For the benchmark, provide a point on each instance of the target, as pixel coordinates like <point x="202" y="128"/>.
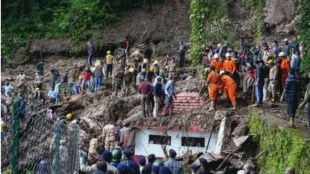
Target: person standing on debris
<point x="306" y="101"/>
<point x="65" y="81"/>
<point x="20" y="77"/>
<point x="174" y="166"/>
<point x="22" y="106"/>
<point x="98" y="76"/>
<point x="285" y="68"/>
<point x="8" y="88"/>
<point x="90" y="52"/>
<point x="158" y="95"/>
<point x="216" y="63"/>
<point x="40" y="67"/>
<point x="259" y="82"/>
<point x="170" y="93"/>
<point x="148" y="53"/>
<point x="55" y="77"/>
<point x="86" y="79"/>
<point x="38" y="80"/>
<point x="145" y="89"/>
<point x="182" y="56"/>
<point x="109" y="61"/>
<point x="126" y="44"/>
<point x="118" y="81"/>
<point x="229" y="87"/>
<point x="213" y="81"/>
<point x="229" y="65"/>
<point x="129" y="163"/>
<point x="292" y="91"/>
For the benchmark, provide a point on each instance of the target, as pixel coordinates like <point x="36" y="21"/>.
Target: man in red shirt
<point x="145" y="89"/>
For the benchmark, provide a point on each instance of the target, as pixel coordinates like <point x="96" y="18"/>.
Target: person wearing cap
<point x="259" y="82"/>
<point x="170" y="93"/>
<point x="273" y="79"/>
<point x="292" y="92"/>
<point x="158" y="94"/>
<point x="229" y="65"/>
<point x="229" y="87"/>
<point x="109" y="61"/>
<point x="145" y="89"/>
<point x="130" y="164"/>
<point x="213" y="83"/>
<point x="174" y="166"/>
<point x="203" y="166"/>
<point x="285" y="68"/>
<point x="216" y="63"/>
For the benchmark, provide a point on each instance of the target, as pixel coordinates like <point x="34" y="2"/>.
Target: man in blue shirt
<point x="169" y="91"/>
<point x="128" y="163"/>
<point x="174" y="166"/>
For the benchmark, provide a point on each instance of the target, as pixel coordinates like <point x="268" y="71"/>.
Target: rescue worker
<point x="273" y="79"/>
<point x="90" y="52"/>
<point x="116" y="156"/>
<point x="259" y="83"/>
<point x="213" y="82"/>
<point x="145" y="89"/>
<point x="109" y="61"/>
<point x="170" y="94"/>
<point x="216" y="63"/>
<point x="128" y="79"/>
<point x="229" y="65"/>
<point x="285" y="68"/>
<point x="306" y="101"/>
<point x="292" y="91"/>
<point x="172" y="164"/>
<point x="229" y="87"/>
<point x="128" y="162"/>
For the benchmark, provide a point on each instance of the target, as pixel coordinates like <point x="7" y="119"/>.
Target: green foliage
<point x="284" y="147"/>
<point x="304" y="12"/>
<point x="76" y="19"/>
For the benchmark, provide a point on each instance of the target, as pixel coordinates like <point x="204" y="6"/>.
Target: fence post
<point x="57" y="148"/>
<point x="15" y="133"/>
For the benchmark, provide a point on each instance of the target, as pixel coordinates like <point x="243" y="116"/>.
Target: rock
<point x="219" y="115"/>
<point x="240" y="130"/>
<point x="240" y="140"/>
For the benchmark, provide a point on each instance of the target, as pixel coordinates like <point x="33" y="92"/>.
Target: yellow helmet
<point x="145" y="61"/>
<point x="152" y="69"/>
<point x="143" y="70"/>
<point x="270" y="62"/>
<point x="108" y="52"/>
<point x="69" y="116"/>
<point x="131" y="70"/>
<point x="156" y="62"/>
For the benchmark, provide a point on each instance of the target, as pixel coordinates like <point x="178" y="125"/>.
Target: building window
<point x="159" y="139"/>
<point x="193" y="141"/>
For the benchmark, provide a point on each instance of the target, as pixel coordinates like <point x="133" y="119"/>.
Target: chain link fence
<point x="38" y="144"/>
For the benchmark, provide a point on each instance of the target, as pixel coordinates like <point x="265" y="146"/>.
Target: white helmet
<point x="222" y="72"/>
<point x="227" y="55"/>
<point x="215" y="56"/>
<point x="282" y="54"/>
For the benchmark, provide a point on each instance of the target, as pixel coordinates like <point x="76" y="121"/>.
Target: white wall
<point x="142" y="146"/>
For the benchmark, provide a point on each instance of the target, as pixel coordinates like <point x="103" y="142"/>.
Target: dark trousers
<point x="291" y="99"/>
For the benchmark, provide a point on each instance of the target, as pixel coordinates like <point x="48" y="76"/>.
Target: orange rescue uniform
<point x="285" y="68"/>
<point x="213" y="81"/>
<point x="230" y="88"/>
<point x="217" y="64"/>
<point x="229" y="66"/>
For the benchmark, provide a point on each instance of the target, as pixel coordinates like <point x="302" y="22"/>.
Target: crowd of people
<point x="271" y="73"/>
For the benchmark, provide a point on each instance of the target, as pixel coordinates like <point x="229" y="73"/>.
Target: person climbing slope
<point x="229" y="87"/>
<point x="213" y="81"/>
